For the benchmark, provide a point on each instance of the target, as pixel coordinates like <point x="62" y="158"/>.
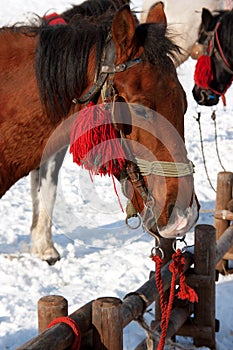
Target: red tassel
<point x="203" y="74"/>
<point x="95" y="143"/>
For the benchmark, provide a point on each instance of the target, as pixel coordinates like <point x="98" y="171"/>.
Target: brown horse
<point x="137" y="65"/>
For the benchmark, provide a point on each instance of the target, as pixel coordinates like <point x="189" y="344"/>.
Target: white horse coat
<point x="184" y="19"/>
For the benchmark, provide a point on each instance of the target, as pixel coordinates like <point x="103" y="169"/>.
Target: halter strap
<point x="106" y="68"/>
<point x="97" y="86"/>
<point x="220" y="55"/>
<point x="161" y="168"/>
<point x="121" y="67"/>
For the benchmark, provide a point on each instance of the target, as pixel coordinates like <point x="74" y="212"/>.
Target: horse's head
<point x="161" y="184"/>
<point x="205" y="33"/>
<point x="128" y="65"/>
<point x="214" y="70"/>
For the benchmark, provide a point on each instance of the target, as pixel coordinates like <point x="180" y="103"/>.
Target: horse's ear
<point x="156" y="14"/>
<point x="206" y="17"/>
<point x="123" y="29"/>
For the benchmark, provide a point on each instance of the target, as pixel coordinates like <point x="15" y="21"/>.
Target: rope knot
<point x="177" y="267"/>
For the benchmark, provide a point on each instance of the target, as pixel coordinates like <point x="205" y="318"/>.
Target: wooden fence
<point x="102" y="321"/>
<point x="201" y="325"/>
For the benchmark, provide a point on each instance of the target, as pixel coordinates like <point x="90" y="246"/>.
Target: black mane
<point x="225" y="33"/>
<point x="92" y="8"/>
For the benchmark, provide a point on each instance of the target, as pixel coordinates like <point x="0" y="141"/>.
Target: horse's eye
<point x="141" y="111"/>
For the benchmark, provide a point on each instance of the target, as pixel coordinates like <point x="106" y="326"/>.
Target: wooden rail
<point x="201" y="326"/>
<point x="60" y="336"/>
<point x="95" y="317"/>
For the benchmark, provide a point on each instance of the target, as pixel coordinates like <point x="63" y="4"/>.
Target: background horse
<point x="206" y="30"/>
<point x="68" y="57"/>
<point x="217" y="63"/>
<point x="184" y="19"/>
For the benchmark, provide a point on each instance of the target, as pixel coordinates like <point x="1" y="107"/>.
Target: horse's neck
<point x="17" y="52"/>
<point x="13" y="41"/>
<point x="24" y="127"/>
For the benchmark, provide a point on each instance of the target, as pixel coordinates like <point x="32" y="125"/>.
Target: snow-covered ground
<point x="100" y="256"/>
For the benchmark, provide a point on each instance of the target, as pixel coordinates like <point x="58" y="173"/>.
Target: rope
<point x="177" y="269"/>
<point x="202" y="149"/>
<point x="161" y="168"/>
<point x="213" y="117"/>
<point x="75" y="328"/>
<point x="154" y="335"/>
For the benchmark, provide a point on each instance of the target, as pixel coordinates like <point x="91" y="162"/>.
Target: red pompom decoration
<point x="95" y="143"/>
<point x="54" y="19"/>
<point x="203" y="74"/>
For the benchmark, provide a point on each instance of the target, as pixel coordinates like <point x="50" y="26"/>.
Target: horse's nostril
<point x="170" y="210"/>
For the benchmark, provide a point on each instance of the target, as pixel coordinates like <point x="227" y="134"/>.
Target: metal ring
<point x="154" y="253"/>
<point x="136" y="226"/>
<point x="181" y="239"/>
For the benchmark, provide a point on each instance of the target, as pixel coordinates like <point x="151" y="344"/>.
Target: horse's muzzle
<point x="205" y="97"/>
<point x="180" y="222"/>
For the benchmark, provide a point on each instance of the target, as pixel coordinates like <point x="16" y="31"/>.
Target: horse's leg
<point x="43" y="192"/>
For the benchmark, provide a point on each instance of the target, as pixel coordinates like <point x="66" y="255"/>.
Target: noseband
<point x="135" y="168"/>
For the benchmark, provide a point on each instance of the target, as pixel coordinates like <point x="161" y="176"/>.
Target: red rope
<point x="75" y="328"/>
<point x="186" y="292"/>
<point x="177" y="268"/>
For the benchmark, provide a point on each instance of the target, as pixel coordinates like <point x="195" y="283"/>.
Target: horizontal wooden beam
<point x="223" y="215"/>
<point x="224" y="243"/>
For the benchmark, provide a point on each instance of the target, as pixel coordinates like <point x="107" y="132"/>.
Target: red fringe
<point x="203" y="74"/>
<point x="95" y="143"/>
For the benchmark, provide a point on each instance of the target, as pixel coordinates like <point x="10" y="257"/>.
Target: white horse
<point x="184" y="19"/>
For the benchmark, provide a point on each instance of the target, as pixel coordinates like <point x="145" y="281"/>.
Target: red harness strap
<point x="75" y="328"/>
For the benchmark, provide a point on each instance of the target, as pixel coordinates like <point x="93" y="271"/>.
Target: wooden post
<point x="49" y="308"/>
<point x="61" y="336"/>
<point x="204" y="264"/>
<point x="167" y="247"/>
<point x="223" y="243"/>
<point x="107" y="324"/>
<point x="223" y="197"/>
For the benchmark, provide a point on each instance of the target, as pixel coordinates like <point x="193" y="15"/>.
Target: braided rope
<point x="161" y="168"/>
<point x="177" y="269"/>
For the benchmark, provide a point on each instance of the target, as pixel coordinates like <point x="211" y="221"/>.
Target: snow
<point x="100" y="256"/>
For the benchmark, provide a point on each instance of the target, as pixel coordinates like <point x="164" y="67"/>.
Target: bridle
<point x="219" y="53"/>
<point x="214" y="49"/>
<point x="135" y="168"/>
